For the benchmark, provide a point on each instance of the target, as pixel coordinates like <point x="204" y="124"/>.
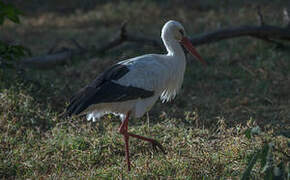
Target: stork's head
<point x="174" y="31"/>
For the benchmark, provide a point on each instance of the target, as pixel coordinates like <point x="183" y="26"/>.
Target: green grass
<point x="203" y="129"/>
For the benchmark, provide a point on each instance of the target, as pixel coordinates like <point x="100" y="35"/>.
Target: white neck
<point x="173" y="47"/>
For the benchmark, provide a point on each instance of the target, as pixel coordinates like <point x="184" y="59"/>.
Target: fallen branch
<point x="271" y="32"/>
<point x="265" y="32"/>
<point x="60" y="58"/>
<point x="47" y="61"/>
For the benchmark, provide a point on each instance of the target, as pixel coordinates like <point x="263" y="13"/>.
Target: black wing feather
<point x="104" y="90"/>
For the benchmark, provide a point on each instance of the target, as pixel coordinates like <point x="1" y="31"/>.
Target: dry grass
<point x="247" y="84"/>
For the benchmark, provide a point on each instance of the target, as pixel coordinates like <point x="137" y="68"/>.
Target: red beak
<point x="187" y="44"/>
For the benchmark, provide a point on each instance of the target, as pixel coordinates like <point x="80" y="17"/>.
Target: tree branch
<point x="272" y="32"/>
<point x="60" y="58"/>
<point x="47" y="61"/>
<point x="265" y="32"/>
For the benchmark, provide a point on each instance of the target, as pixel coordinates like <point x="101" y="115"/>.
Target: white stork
<point x="131" y="87"/>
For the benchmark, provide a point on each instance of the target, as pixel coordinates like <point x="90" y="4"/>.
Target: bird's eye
<point x="181" y="32"/>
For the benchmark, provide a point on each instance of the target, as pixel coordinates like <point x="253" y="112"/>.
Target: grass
<point x="203" y="129"/>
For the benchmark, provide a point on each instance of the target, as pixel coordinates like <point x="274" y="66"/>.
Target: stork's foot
<point x="157" y="146"/>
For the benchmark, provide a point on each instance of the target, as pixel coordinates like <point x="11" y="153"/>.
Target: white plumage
<point x="162" y="74"/>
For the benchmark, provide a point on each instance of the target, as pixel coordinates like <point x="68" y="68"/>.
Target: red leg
<point x="124" y="130"/>
<point x="126" y="138"/>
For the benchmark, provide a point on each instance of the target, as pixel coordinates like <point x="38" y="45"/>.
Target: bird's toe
<point x="158" y="147"/>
